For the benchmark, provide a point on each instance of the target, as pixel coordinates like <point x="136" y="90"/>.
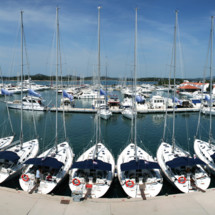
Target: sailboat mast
<point x="57" y="36"/>
<point x="134" y="118"/>
<point x="175" y="35"/>
<point x="106" y="85"/>
<point x="98" y="120"/>
<point x="211" y="83"/>
<point x="99" y="73"/>
<point x="21" y="129"/>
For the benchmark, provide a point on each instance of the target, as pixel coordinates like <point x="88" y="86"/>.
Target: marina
<point x="80" y="142"/>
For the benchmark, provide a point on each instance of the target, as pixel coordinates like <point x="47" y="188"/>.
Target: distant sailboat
<point x="138" y="173"/>
<point x="55" y="161"/>
<point x="105" y="112"/>
<point x="31" y="101"/>
<point x="183" y="171"/>
<point x="129" y="112"/>
<point x="14" y="155"/>
<point x="93" y="172"/>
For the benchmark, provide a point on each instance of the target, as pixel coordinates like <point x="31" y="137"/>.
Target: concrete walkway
<point x="18" y="202"/>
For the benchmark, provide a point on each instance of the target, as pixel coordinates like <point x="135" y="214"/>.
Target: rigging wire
<point x="28" y="72"/>
<point x="61" y="74"/>
<point x="181" y="61"/>
<point x="8" y="112"/>
<point x="204" y="80"/>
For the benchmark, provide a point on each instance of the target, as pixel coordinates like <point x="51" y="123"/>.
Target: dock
<point x="169" y="110"/>
<point x="19" y="202"/>
<point x="74" y="110"/>
<point x="119" y="110"/>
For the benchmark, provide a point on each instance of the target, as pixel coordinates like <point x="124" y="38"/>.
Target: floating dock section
<point x="118" y="111"/>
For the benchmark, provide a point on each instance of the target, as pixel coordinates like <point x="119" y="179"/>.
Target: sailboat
<point x="5" y="141"/>
<point x="32" y="101"/>
<point x="93" y="172"/>
<point x="128" y="103"/>
<point x="205" y="150"/>
<point x="15" y="154"/>
<point x="105" y="112"/>
<point x="54" y="162"/>
<point x="129" y="113"/>
<point x="138" y="173"/>
<point x="179" y="167"/>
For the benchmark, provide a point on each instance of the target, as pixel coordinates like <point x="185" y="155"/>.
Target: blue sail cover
<point x="140" y="164"/>
<point x="184" y="161"/>
<point x="139" y="99"/>
<point x="102" y="92"/>
<point x="48" y="162"/>
<point x="67" y="95"/>
<point x="8" y="155"/>
<point x="92" y="164"/>
<point x="196" y="101"/>
<point x="176" y="100"/>
<point x="33" y="93"/>
<point x="208" y="98"/>
<point x="5" y="92"/>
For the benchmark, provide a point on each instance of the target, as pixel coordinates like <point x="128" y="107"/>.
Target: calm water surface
<point x="115" y="132"/>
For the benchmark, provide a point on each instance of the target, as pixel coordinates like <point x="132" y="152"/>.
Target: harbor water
<point x="80" y="132"/>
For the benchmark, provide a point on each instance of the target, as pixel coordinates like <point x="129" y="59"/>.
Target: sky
<point x="78" y="21"/>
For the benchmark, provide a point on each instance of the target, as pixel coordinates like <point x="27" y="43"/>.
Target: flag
<point x="67" y="95"/>
<point x="33" y="93"/>
<point x="5" y="92"/>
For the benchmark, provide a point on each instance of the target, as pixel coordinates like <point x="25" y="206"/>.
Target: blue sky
<point x="78" y="29"/>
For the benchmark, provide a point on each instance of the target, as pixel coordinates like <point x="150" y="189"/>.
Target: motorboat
<point x="28" y="103"/>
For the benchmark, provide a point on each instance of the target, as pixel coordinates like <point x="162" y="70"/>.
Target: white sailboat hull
<point x="29" y="150"/>
<point x="165" y="154"/>
<point x="5" y="141"/>
<point x="206" y="111"/>
<point x="105" y="114"/>
<point x="204" y="151"/>
<point x="100" y="185"/>
<point x="151" y="179"/>
<point x="128" y="113"/>
<point x="64" y="154"/>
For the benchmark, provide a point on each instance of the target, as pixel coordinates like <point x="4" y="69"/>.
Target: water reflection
<point x="158" y="118"/>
